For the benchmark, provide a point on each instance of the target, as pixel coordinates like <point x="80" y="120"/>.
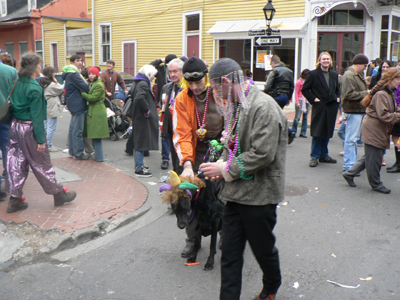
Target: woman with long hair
<point x="27" y="146"/>
<point x="52" y="91"/>
<point x="381" y="114"/>
<point x="383" y="67"/>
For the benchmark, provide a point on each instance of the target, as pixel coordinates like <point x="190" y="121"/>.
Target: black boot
<point x="188" y="249"/>
<point x="16" y="204"/>
<point x="396" y="167"/>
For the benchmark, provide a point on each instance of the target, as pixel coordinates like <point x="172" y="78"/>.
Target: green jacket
<point x="8" y="75"/>
<point x="29" y="103"/>
<point x="96" y="124"/>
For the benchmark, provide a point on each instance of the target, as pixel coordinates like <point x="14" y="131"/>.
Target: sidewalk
<point x="103" y="192"/>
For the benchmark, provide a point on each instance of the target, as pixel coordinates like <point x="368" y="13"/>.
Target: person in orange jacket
<point x="196" y="120"/>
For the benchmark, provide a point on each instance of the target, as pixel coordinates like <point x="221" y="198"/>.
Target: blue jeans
<point x="4" y="130"/>
<point x="139" y="155"/>
<point x="75" y="135"/>
<point x="352" y="135"/>
<point x="165" y="147"/>
<point x="282" y="100"/>
<point x="304" y="121"/>
<point x="51" y="125"/>
<point x="342" y="130"/>
<point x="98" y="150"/>
<point x="319" y="147"/>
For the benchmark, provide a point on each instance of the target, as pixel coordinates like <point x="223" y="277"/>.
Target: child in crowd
<point x="96" y="126"/>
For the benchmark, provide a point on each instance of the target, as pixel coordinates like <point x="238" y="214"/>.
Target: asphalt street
<point x="326" y="230"/>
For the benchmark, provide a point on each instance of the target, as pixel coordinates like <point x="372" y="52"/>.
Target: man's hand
<point x="126" y="92"/>
<point x="41" y="147"/>
<point x="317" y="100"/>
<point x="188" y="172"/>
<point x="108" y="94"/>
<point x="211" y="170"/>
<point x="338" y="100"/>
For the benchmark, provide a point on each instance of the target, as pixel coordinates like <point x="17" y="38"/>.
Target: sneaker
<point x="66" y="150"/>
<point x="383" y="190"/>
<point x="349" y="180"/>
<point x="341" y="153"/>
<point x="313" y="162"/>
<point x="16" y="204"/>
<point x="165" y="165"/>
<point x="328" y="160"/>
<point x="303" y="136"/>
<point x="63" y="197"/>
<point x="83" y="157"/>
<point x="52" y="149"/>
<point x="143" y="172"/>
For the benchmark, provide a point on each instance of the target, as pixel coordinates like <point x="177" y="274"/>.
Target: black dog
<point x="207" y="208"/>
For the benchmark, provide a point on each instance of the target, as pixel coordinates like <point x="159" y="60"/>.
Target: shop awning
<point x="289" y="27"/>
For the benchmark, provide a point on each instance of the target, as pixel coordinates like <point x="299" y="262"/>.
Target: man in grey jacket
<point x="252" y="177"/>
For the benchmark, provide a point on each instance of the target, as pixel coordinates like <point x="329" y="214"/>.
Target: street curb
<point x="101" y="227"/>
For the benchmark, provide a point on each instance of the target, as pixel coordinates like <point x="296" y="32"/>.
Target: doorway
<point x="342" y="46"/>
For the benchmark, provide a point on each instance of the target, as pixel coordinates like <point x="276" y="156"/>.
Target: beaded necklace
<point x="235" y="138"/>
<point x="201" y="132"/>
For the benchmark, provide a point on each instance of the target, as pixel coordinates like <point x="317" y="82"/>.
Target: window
<point x="105" y="43"/>
<point x="39" y="48"/>
<point x="342" y="17"/>
<point x="390" y="43"/>
<point x="31" y="5"/>
<point x="3" y="8"/>
<point x="191" y="33"/>
<point x="23" y="48"/>
<point x="10" y="49"/>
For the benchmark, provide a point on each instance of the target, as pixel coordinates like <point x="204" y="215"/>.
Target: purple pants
<point x="22" y="154"/>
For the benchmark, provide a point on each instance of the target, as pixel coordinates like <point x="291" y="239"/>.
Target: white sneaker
<point x="52" y="149"/>
<point x="66" y="150"/>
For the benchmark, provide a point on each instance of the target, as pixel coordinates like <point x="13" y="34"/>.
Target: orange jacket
<point x="184" y="124"/>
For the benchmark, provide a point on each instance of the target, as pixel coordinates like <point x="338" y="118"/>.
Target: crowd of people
<point x="190" y="105"/>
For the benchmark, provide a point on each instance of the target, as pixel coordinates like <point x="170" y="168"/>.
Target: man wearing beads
<point x="252" y="174"/>
<point x="195" y="121"/>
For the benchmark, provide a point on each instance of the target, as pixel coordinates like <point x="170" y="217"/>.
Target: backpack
<point x="127" y="110"/>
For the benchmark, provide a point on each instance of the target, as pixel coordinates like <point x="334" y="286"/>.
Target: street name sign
<point x="257" y="32"/>
<point x="268" y="41"/>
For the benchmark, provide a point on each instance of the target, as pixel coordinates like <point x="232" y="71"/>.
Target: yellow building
<point x="63" y="37"/>
<point x="134" y="33"/>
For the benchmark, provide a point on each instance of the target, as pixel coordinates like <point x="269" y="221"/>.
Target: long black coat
<point x="145" y="130"/>
<point x="323" y="118"/>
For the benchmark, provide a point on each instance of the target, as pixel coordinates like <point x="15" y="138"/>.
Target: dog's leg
<point x="213" y="246"/>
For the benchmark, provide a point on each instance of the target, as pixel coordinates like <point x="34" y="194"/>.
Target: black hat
<point x="170" y="57"/>
<point x="194" y="69"/>
<point x="360" y="59"/>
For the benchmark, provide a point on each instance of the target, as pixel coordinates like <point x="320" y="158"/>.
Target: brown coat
<point x="353" y="90"/>
<point x="380" y="116"/>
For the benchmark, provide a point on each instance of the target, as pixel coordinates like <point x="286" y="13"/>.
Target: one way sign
<point x="267" y="41"/>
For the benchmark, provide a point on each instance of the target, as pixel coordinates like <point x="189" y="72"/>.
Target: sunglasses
<point x="194" y="75"/>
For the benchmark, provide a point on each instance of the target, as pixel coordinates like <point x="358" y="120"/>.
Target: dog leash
<point x="194" y="209"/>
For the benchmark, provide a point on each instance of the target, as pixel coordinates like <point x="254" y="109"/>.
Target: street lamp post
<point x="269" y="12"/>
